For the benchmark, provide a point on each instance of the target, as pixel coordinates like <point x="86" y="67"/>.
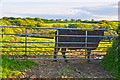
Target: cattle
<point x="77" y="40"/>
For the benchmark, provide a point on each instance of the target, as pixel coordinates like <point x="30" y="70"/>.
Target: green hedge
<point x="111" y="61"/>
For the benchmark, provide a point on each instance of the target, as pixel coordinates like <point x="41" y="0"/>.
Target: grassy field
<point x="9" y="65"/>
<point x="12" y="67"/>
<point x="50" y="24"/>
<point x="33" y="39"/>
<point x="29" y="39"/>
<point x="66" y="24"/>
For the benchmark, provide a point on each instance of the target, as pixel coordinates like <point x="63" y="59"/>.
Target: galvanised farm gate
<point x="48" y="43"/>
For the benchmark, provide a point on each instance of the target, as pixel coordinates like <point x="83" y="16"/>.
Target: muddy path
<point x="61" y="69"/>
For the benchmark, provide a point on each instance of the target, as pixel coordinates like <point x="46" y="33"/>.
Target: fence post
<point x="25" y="43"/>
<point x="57" y="44"/>
<point x="85" y="44"/>
<point x="114" y="38"/>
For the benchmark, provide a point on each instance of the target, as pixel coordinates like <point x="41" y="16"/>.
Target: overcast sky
<point x="59" y="0"/>
<point x="63" y="9"/>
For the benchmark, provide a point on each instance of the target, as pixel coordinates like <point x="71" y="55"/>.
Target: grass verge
<point x="12" y="67"/>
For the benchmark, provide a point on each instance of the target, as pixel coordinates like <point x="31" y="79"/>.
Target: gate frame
<point x="25" y="55"/>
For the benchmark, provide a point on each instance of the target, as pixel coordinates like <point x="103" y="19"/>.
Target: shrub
<point x="111" y="60"/>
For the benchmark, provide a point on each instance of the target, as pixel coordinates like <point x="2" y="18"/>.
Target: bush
<point x="111" y="60"/>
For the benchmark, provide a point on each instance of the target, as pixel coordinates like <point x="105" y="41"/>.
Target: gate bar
<point x="25" y="43"/>
<point x="56" y="42"/>
<point x="55" y="28"/>
<point x="85" y="44"/>
<point x="57" y="55"/>
<point x="53" y="51"/>
<point x="56" y="59"/>
<point x="56" y="35"/>
<point x="47" y="47"/>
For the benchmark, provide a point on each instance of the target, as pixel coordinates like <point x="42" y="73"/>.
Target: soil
<point x="62" y="69"/>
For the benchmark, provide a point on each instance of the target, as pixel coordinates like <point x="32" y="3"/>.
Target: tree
<point x="12" y="18"/>
<point x="72" y="20"/>
<point x="30" y="18"/>
<point x="39" y="20"/>
<point x="106" y="21"/>
<point x="18" y="18"/>
<point x="92" y="20"/>
<point x="66" y="20"/>
<point x="57" y="20"/>
<point x="79" y="20"/>
<point x="85" y="20"/>
<point x="52" y="20"/>
<point x="5" y="18"/>
<point x="45" y="20"/>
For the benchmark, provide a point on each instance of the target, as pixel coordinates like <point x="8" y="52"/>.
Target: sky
<point x="61" y="9"/>
<point x="59" y="0"/>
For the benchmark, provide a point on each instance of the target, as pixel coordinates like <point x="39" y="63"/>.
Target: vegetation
<point x="8" y="66"/>
<point x="65" y="73"/>
<point x="38" y="22"/>
<point x="12" y="67"/>
<point x="69" y="72"/>
<point x="111" y="60"/>
<point x="29" y="39"/>
<point x="32" y="39"/>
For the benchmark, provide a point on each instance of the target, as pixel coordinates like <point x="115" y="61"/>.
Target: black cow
<point x="77" y="39"/>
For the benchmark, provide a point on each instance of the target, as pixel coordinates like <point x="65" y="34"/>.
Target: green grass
<point x="33" y="39"/>
<point x="29" y="39"/>
<point x="108" y="44"/>
<point x="12" y="67"/>
<point x="50" y="24"/>
<point x="68" y="73"/>
<point x="110" y="61"/>
<point x="66" y="24"/>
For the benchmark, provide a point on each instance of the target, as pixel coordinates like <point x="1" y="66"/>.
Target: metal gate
<point x="27" y="44"/>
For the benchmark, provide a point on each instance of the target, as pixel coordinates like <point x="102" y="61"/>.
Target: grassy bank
<point x="12" y="67"/>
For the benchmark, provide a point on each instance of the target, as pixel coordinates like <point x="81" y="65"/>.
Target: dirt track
<point x="77" y="69"/>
